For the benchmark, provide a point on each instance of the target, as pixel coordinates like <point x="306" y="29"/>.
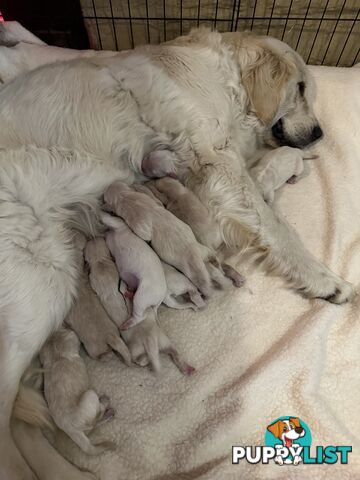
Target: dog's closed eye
<point x="301" y="88"/>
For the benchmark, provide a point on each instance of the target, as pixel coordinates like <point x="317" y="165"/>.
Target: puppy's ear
<point x="295" y="421"/>
<point x="264" y="80"/>
<point x="276" y="428"/>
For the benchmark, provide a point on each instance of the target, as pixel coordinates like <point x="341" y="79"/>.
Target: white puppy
<point x="277" y="167"/>
<point x="139" y="267"/>
<point x="146" y="340"/>
<point x="74" y="406"/>
<point x="171" y="238"/>
<point x="180" y="286"/>
<point x="91" y="323"/>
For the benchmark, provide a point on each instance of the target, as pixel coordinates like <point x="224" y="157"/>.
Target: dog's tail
<point x="31" y="407"/>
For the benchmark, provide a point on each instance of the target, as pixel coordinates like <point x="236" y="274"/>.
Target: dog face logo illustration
<point x="287" y="430"/>
<point x="288" y="435"/>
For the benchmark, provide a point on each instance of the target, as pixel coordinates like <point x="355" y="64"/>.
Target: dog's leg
<point x="236" y="277"/>
<point x="245" y="217"/>
<point x="45" y="461"/>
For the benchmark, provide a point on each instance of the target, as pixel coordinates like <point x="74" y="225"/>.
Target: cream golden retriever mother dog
<point x="212" y="99"/>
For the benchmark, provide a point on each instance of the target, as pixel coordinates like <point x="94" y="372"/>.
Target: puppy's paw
<point x="292" y="180"/>
<point x="141" y="360"/>
<point x="109" y="414"/>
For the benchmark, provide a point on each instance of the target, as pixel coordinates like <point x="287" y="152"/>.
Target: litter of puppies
<point x="158" y="249"/>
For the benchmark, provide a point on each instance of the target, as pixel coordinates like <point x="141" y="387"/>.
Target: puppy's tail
<point x="118" y="344"/>
<point x="31" y="407"/>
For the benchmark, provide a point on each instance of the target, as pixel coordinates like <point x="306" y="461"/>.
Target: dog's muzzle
<point x="301" y="142"/>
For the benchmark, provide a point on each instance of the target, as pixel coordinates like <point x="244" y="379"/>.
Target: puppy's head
<point x="279" y="88"/>
<point x="114" y="191"/>
<point x="169" y="187"/>
<point x="96" y="250"/>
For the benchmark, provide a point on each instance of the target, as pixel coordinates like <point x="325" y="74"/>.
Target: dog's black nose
<point x="299" y="430"/>
<point x="316" y="133"/>
<point x="278" y="130"/>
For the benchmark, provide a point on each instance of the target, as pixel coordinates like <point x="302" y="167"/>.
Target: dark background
<point x="56" y="22"/>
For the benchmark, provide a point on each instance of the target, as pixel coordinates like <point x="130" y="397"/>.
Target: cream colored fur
<point x="194" y="95"/>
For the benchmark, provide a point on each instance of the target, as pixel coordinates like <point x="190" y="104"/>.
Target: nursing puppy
<point x="94" y="328"/>
<point x="139" y="267"/>
<point x="277" y="167"/>
<point x="171" y="239"/>
<point x="104" y="280"/>
<point x="89" y="319"/>
<point x="146" y="341"/>
<point x="178" y="288"/>
<point x="74" y="406"/>
<point x="186" y="206"/>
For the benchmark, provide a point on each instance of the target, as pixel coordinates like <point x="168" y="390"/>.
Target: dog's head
<point x="279" y="88"/>
<point x="287" y="430"/>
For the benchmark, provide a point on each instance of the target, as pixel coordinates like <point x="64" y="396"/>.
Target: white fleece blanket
<point x="262" y="351"/>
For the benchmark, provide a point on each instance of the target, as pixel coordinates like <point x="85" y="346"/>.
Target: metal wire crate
<point x="324" y="32"/>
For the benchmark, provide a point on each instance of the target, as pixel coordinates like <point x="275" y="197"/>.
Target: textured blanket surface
<point x="262" y="351"/>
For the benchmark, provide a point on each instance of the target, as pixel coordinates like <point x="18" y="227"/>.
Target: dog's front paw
<point x="297" y="460"/>
<point x="279" y="460"/>
<point x="326" y="285"/>
<point x="344" y="292"/>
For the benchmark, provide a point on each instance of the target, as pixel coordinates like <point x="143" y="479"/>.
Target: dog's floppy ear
<point x="295" y="421"/>
<point x="276" y="428"/>
<point x="264" y="80"/>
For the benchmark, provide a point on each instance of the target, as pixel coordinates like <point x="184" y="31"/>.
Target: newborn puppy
<point x="147" y="340"/>
<point x="184" y="204"/>
<point x="171" y="238"/>
<point x="277" y="167"/>
<point x="180" y="286"/>
<point x="139" y="267"/>
<point x="140" y="187"/>
<point x="90" y="321"/>
<point x="159" y="163"/>
<point x="104" y="280"/>
<point x="74" y="406"/>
